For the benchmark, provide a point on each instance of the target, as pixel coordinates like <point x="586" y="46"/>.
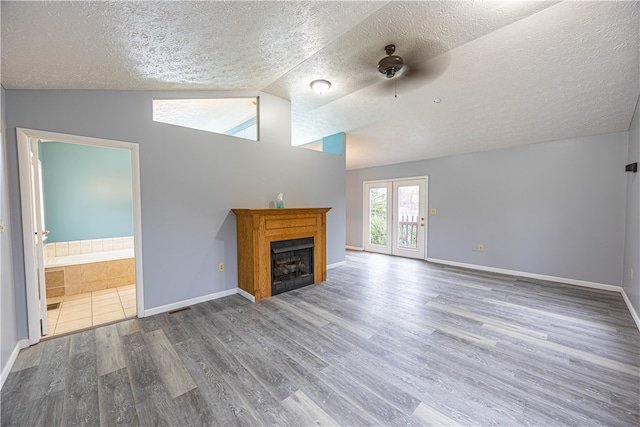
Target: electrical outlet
<point x="221" y="267"/>
<point x="480" y="248"/>
<point x="434" y="211"/>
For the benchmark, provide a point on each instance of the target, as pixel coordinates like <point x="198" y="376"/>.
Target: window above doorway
<point x="236" y="117"/>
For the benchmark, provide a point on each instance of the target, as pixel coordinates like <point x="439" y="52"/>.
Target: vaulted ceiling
<point x="507" y="73"/>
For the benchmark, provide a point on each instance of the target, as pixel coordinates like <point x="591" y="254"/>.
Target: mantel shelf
<point x="257" y="228"/>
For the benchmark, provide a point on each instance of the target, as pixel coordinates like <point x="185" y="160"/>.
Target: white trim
<point x="23" y="136"/>
<point x="188" y="302"/>
<point x="582" y="283"/>
<point x="336" y="264"/>
<point x="31" y="280"/>
<point x="246" y="294"/>
<point x="632" y="310"/>
<point x="12" y="359"/>
<point x="354" y="248"/>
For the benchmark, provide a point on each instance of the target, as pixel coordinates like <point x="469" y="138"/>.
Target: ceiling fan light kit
<point x="320" y="86"/>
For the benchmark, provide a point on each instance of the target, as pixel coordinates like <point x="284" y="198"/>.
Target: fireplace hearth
<point x="291" y="264"/>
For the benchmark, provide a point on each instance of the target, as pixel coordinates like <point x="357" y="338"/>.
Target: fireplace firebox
<point x="291" y="264"/>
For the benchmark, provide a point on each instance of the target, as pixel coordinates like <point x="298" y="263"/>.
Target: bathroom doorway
<point x="84" y="235"/>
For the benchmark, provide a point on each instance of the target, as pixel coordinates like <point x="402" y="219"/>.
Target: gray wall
<point x="190" y="180"/>
<point x="8" y="331"/>
<point x="632" y="235"/>
<point x="553" y="208"/>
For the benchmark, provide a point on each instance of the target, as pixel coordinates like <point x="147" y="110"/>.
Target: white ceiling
<point x="508" y="73"/>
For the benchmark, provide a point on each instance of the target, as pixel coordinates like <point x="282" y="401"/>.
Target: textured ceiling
<point x="508" y="73"/>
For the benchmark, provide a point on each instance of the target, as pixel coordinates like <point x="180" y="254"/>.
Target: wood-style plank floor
<point x="384" y="341"/>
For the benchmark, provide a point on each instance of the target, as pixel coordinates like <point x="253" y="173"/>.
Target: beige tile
<point x="75" y="248"/>
<point x="54" y="277"/>
<point x="126" y="288"/>
<point x="129" y="304"/>
<point x="128" y="297"/>
<point x="50" y="250"/>
<point x="54" y="300"/>
<point x="77" y="296"/>
<point x="109" y="291"/>
<point x="127" y="294"/>
<point x="79" y="302"/>
<point x="104" y="309"/>
<point x="108" y="317"/>
<point x="72" y="316"/>
<point x="98" y="304"/>
<point x="62" y="249"/>
<point x="107" y="244"/>
<point x="73" y="275"/>
<point x="130" y="312"/>
<point x="96" y="245"/>
<point x="76" y="305"/>
<point x="63" y="327"/>
<point x="52" y="316"/>
<point x="76" y="312"/>
<point x="55" y="292"/>
<point x="93" y="272"/>
<point x="85" y="246"/>
<point x="106" y="301"/>
<point x="118" y="243"/>
<point x="127" y="242"/>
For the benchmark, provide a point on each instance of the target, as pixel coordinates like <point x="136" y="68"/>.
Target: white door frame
<point x="24" y="163"/>
<point x="392" y="235"/>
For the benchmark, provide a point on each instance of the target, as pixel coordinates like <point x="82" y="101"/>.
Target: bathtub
<point x="88" y="272"/>
<point x="63" y="261"/>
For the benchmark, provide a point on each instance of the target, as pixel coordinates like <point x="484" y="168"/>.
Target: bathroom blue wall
<point x="87" y="192"/>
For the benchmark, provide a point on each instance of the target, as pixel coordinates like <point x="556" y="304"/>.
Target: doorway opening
<point x="81" y="230"/>
<point x="395" y="220"/>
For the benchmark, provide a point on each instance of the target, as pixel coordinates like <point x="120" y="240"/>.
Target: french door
<point x="395" y="217"/>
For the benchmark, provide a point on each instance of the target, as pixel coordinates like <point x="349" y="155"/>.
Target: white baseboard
<point x="336" y="264"/>
<point x="583" y="283"/>
<point x="354" y="248"/>
<point x="12" y="359"/>
<point x="632" y="310"/>
<point x="246" y="294"/>
<point x="192" y="301"/>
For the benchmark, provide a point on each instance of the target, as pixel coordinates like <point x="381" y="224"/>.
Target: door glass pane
<point x="378" y="216"/>
<point x="408" y="216"/>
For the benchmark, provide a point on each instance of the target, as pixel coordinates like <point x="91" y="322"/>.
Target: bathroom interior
<point x="89" y="257"/>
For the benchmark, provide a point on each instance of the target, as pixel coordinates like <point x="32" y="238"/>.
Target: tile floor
<point x="90" y="309"/>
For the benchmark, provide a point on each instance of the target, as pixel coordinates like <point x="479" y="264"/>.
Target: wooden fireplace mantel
<point x="257" y="228"/>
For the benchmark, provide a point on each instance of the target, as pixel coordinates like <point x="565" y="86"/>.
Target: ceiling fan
<point x="415" y="71"/>
<point x="390" y="64"/>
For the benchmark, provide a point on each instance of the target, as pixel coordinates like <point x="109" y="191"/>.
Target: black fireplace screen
<point x="291" y="264"/>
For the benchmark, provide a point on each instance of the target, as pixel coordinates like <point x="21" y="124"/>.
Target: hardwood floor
<point x="384" y="341"/>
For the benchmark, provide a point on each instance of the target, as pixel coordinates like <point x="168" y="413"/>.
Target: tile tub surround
<point x="77" y="247"/>
<point x="96" y="276"/>
<point x="74" y="274"/>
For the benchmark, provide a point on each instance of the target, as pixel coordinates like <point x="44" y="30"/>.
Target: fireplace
<point x="256" y="229"/>
<point x="291" y="264"/>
